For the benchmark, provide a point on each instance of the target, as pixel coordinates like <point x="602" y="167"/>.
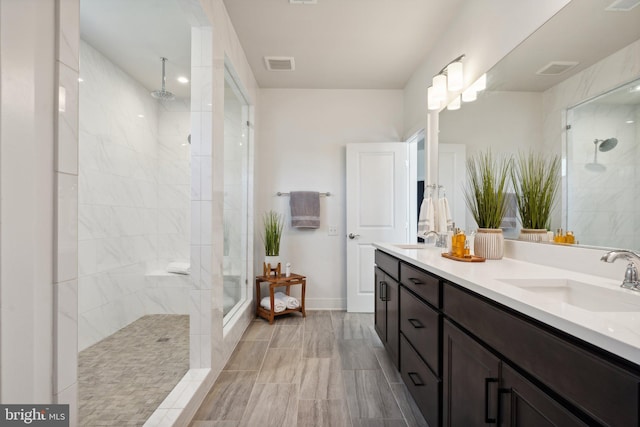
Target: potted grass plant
<point x="272" y="233"/>
<point x="536" y="179"/>
<point x="486" y="197"/>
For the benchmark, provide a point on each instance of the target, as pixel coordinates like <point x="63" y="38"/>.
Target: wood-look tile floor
<point x="328" y="369"/>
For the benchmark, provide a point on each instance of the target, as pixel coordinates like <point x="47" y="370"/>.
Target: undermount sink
<point x="579" y="294"/>
<point x="413" y="246"/>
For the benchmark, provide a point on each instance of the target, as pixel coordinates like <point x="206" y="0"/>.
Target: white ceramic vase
<point x="534" y="235"/>
<point x="272" y="260"/>
<point x="489" y="243"/>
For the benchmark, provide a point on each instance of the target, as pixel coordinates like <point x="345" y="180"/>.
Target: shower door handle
<point x="353" y="236"/>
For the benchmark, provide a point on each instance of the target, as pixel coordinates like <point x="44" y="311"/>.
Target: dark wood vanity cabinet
<point x="480" y="388"/>
<point x="387" y="305"/>
<point x="468" y="360"/>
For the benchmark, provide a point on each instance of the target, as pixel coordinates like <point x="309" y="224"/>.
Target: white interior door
<point x="377" y="211"/>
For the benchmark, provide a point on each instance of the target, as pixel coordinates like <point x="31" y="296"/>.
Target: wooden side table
<point x="278" y="282"/>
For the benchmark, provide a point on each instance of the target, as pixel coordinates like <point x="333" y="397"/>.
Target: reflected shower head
<point x="163" y="94"/>
<point x="607" y="144"/>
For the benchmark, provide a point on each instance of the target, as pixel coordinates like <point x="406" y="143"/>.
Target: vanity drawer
<point x="422" y="283"/>
<point x="421" y="325"/>
<point x="582" y="375"/>
<point x="422" y="384"/>
<point x="388" y="264"/>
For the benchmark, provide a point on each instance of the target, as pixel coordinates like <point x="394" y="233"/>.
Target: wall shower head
<point x="163" y="94"/>
<point x="607" y="144"/>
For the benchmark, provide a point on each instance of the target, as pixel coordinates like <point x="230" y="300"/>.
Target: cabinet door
<point x="380" y="316"/>
<point x="470" y="381"/>
<point x="525" y="405"/>
<point x="393" y="320"/>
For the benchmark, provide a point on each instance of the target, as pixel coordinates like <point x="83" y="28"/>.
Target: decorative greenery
<point x="536" y="179"/>
<point x="273" y="224"/>
<point x="486" y="191"/>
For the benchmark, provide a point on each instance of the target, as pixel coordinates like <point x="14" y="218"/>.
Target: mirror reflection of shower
<point x="602" y="145"/>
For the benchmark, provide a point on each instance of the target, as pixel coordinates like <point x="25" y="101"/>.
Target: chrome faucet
<point x="441" y="239"/>
<point x="631" y="274"/>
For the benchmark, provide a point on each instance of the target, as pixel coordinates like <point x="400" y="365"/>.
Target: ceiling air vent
<point x="303" y="1"/>
<point x="622" y="5"/>
<point x="556" y="68"/>
<point x="279" y="63"/>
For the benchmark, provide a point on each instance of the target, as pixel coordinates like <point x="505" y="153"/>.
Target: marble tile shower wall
<point x="601" y="202"/>
<point x="129" y="195"/>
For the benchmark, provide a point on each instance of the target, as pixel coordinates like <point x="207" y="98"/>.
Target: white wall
<point x="27" y="58"/>
<point x="505" y="122"/>
<point x="302" y="137"/>
<point x="485" y="31"/>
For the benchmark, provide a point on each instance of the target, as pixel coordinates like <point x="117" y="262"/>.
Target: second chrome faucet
<point x="631" y="274"/>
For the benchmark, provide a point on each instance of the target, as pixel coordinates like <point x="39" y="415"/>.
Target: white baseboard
<point x="325" y="304"/>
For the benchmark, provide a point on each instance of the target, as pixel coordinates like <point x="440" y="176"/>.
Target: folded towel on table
<point x="279" y="304"/>
<point x="305" y="209"/>
<point x="426" y="219"/>
<point x="179" y="267"/>
<point x="291" y="302"/>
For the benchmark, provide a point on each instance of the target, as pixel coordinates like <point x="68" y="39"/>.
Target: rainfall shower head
<point x="606" y="144"/>
<point x="603" y="145"/>
<point x="162" y="93"/>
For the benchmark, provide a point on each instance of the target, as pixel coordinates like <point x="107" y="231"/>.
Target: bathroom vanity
<point x="509" y="342"/>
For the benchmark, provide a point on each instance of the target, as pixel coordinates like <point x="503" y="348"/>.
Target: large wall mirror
<point x="538" y="93"/>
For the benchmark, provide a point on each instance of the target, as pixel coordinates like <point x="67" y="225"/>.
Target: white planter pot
<point x="272" y="261"/>
<point x="534" y="235"/>
<point x="489" y="243"/>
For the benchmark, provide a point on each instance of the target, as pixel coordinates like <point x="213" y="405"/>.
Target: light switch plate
<point x="333" y="230"/>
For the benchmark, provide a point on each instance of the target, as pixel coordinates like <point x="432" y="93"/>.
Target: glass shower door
<point x="236" y="200"/>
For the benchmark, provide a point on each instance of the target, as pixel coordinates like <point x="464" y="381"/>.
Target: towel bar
<point x="327" y="194"/>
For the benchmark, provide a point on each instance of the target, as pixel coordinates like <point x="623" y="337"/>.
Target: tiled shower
<point x="134" y="200"/>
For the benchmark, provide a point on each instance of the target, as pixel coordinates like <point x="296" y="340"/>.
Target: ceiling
<point x="340" y="44"/>
<point x="583" y="32"/>
<point x="354" y="44"/>
<point x="337" y="44"/>
<point x="135" y="34"/>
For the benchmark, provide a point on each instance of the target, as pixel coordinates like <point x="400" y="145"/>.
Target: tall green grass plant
<point x="273" y="225"/>
<point x="486" y="189"/>
<point x="536" y="179"/>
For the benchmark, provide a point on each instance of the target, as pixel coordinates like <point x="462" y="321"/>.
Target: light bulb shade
<point x="455" y="104"/>
<point x="439" y="90"/>
<point x="454" y="76"/>
<point x="432" y="102"/>
<point x="470" y="94"/>
<point x="481" y="83"/>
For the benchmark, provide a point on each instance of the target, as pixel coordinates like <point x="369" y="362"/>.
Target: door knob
<point x="353" y="236"/>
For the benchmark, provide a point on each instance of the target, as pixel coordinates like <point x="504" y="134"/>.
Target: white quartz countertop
<point x="617" y="332"/>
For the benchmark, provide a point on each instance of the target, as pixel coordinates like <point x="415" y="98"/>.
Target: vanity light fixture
<point x="439" y="87"/>
<point x="470" y="94"/>
<point x="432" y="103"/>
<point x="481" y="83"/>
<point x="455" y="79"/>
<point x="454" y="104"/>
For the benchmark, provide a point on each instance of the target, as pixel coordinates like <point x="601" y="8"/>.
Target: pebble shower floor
<point x="123" y="378"/>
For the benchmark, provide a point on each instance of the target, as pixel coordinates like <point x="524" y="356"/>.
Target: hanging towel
<point x="509" y="220"/>
<point x="443" y="215"/>
<point x="279" y="304"/>
<point x="291" y="302"/>
<point x="426" y="219"/>
<point x="305" y="209"/>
